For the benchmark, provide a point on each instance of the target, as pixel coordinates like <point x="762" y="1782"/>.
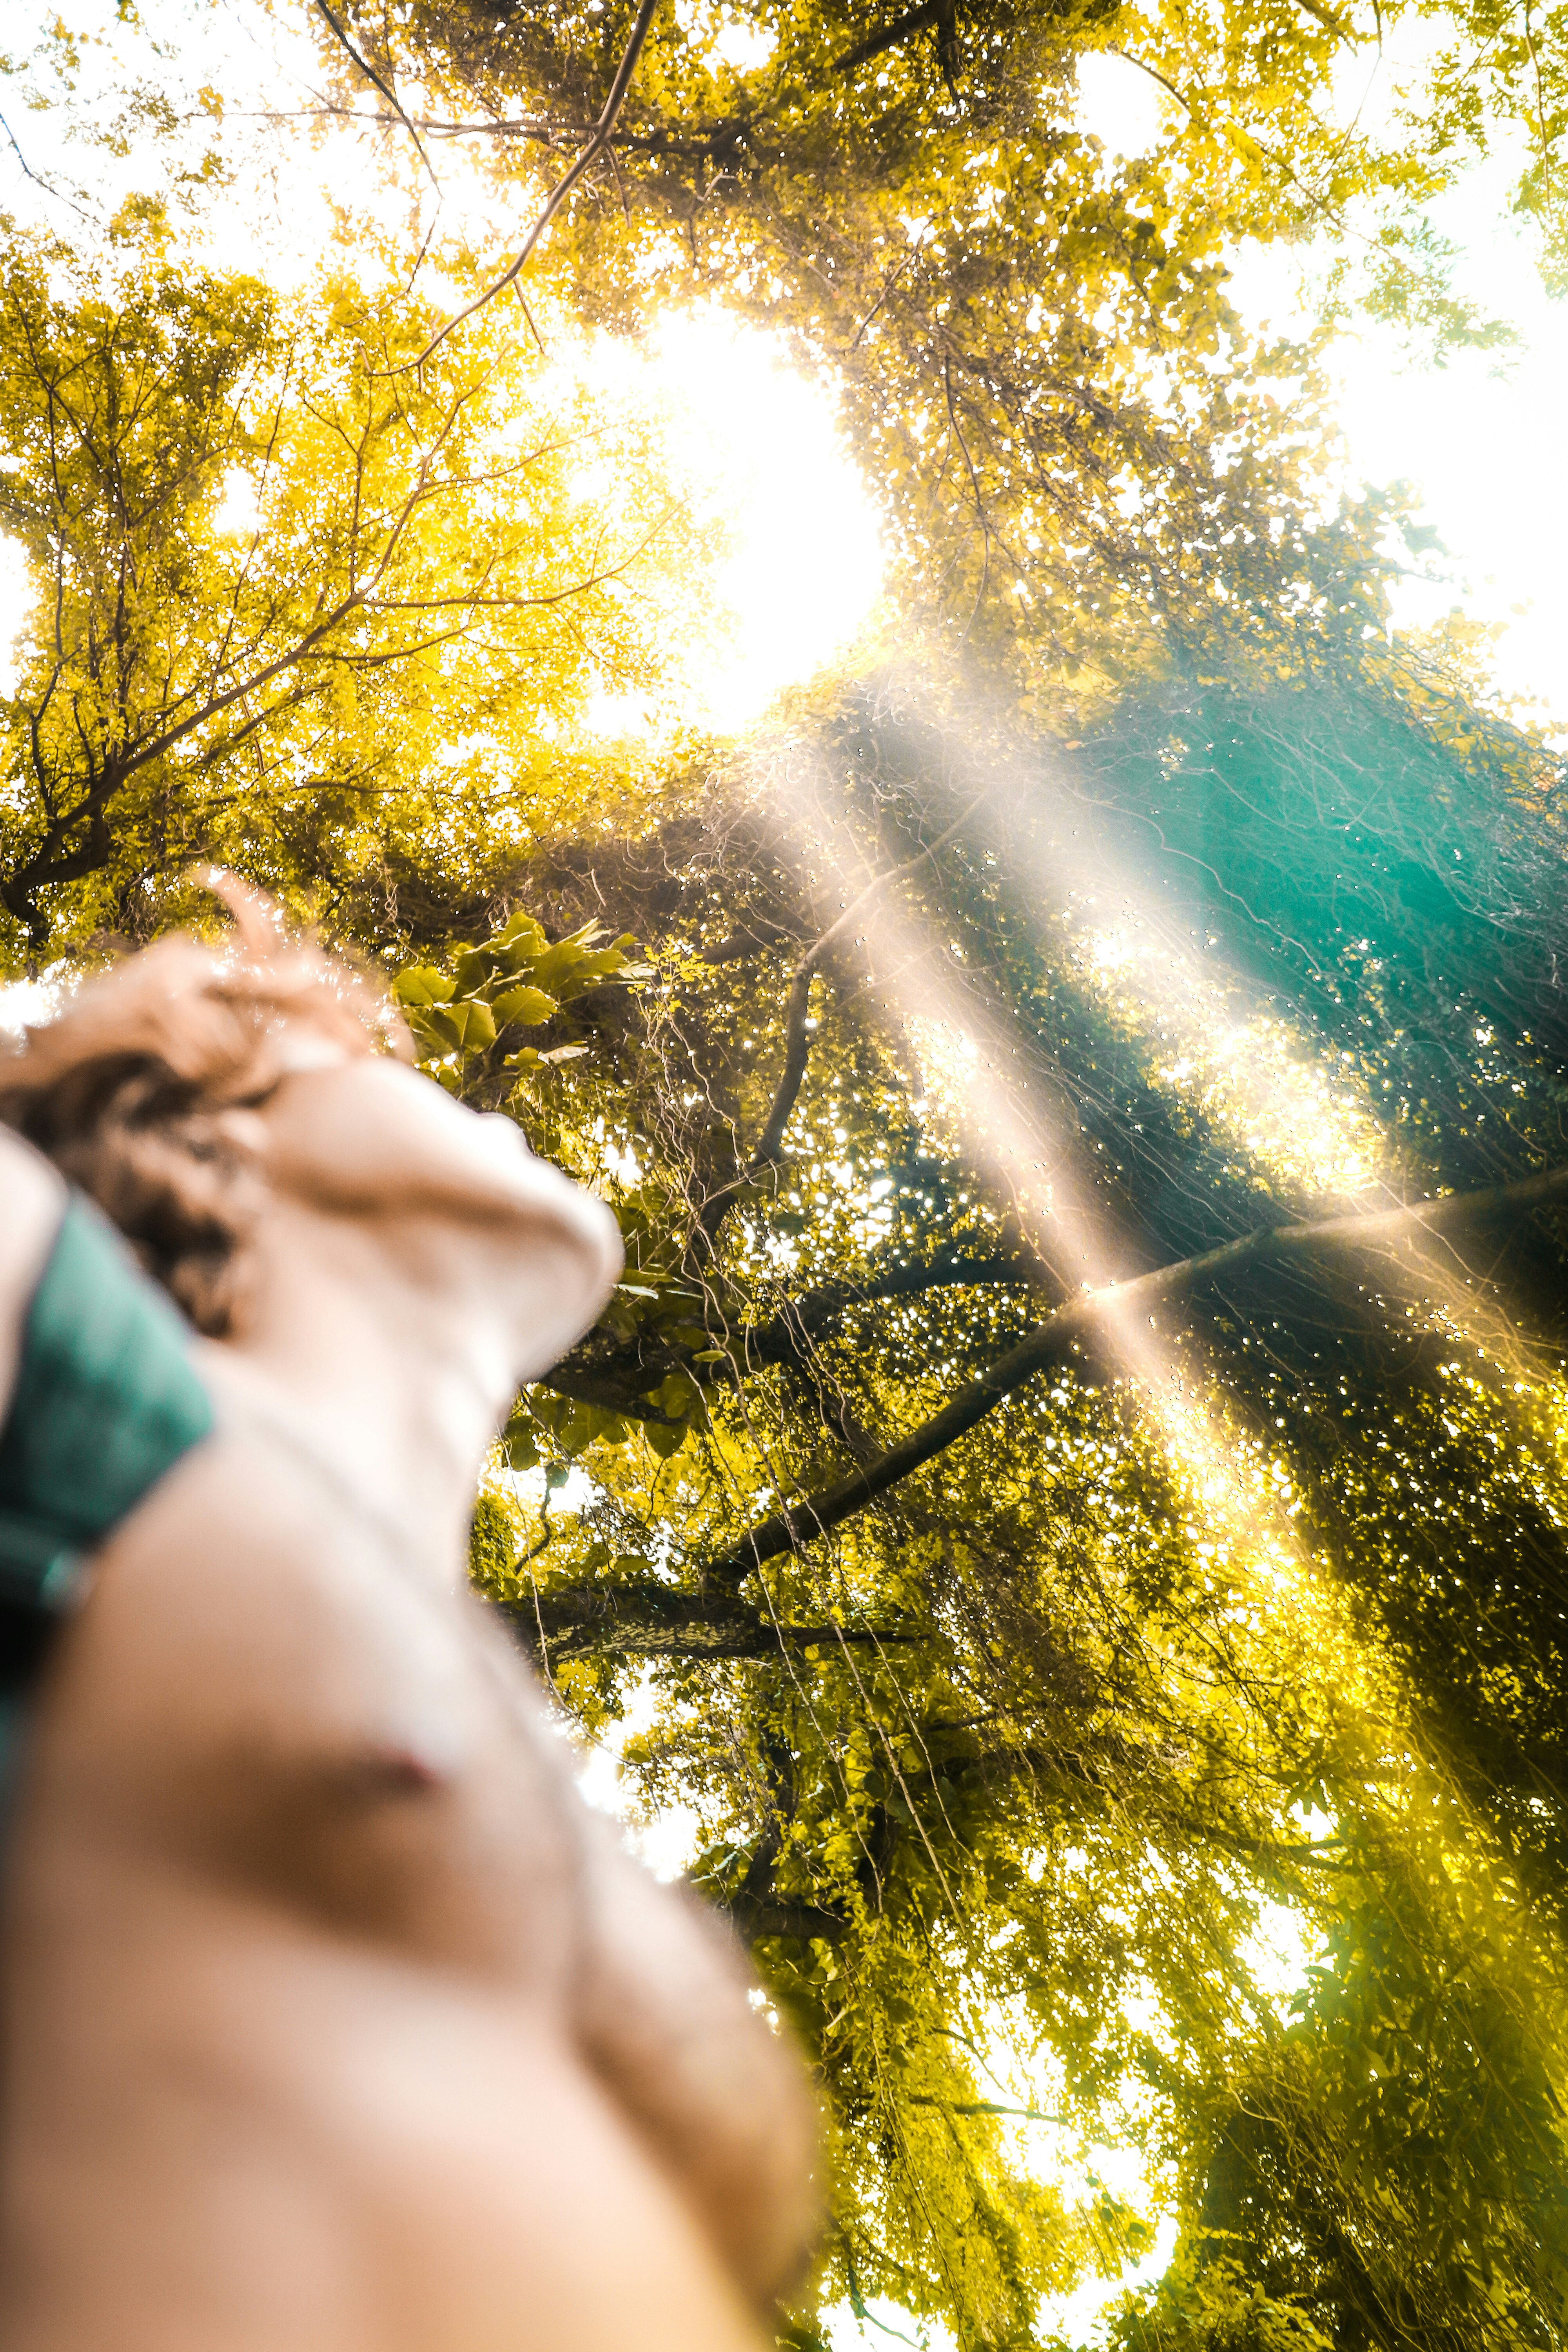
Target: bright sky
<point x="757" y="439"/>
<point x="1480" y="438"/>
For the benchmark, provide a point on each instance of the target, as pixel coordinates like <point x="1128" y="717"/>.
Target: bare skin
<point x="33" y="1198"/>
<point x="333" y="2020"/>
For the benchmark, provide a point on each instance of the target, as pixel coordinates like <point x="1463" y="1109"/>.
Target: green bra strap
<point x="107" y="1399"/>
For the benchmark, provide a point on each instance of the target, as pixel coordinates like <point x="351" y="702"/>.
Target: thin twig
<point x="37" y="178"/>
<point x="797" y="1007"/>
<point x="1539" y="103"/>
<point x="527" y="314"/>
<point x="386" y="88"/>
<point x="980" y="514"/>
<point x="982" y="2107"/>
<point x="891" y="280"/>
<point x="1154" y="74"/>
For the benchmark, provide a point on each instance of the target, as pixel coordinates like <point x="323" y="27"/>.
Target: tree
<point x="1002" y="1684"/>
<point x="301" y="605"/>
<point x="1256" y="139"/>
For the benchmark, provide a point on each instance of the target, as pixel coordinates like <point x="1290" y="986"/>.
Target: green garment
<point x="107" y="1399"/>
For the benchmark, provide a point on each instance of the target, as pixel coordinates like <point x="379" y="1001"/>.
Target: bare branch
<point x="797" y="1009"/>
<point x="37" y="178"/>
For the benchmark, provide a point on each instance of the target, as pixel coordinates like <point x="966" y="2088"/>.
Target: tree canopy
<point x="1070" y="1492"/>
<point x="302" y="604"/>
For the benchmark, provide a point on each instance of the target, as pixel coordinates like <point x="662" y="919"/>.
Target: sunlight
<point x="25" y="1001"/>
<point x="754" y="446"/>
<point x="731" y="41"/>
<point x="1249" y="1076"/>
<point x="1074" y="2316"/>
<point x="761" y="444"/>
<point x="981" y="1099"/>
<point x="666" y="1840"/>
<point x="239" y="513"/>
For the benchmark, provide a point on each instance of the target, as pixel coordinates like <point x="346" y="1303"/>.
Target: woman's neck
<point x="391" y="1345"/>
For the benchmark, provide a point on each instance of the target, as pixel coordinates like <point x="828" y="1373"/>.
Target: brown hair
<point x="124" y="1088"/>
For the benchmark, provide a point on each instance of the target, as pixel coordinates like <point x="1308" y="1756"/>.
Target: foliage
<point x="1089" y="470"/>
<point x="1007" y="1773"/>
<point x="1265" y="131"/>
<point x="300" y="605"/>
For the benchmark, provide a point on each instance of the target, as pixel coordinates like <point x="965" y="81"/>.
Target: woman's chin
<point x="578" y="1247"/>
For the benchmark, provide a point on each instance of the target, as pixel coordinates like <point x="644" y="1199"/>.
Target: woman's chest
<point x="303" y="1716"/>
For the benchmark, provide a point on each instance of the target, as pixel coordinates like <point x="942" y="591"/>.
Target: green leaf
<point x="467" y="1026"/>
<point x="422" y="985"/>
<point x="519" y="1447"/>
<point x="526" y="1004"/>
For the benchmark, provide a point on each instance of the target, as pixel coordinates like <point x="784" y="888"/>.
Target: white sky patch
<point x="885" y="2323"/>
<point x="1118" y="103"/>
<point x="1478" y="437"/>
<point x="747" y="47"/>
<point x="22" y="1001"/>
<point x="808" y="561"/>
<point x="1279" y="1951"/>
<point x="1076" y="2317"/>
<point x="25" y="1001"/>
<point x="238" y="510"/>
<point x="666" y="1840"/>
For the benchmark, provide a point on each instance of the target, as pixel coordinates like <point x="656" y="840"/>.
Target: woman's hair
<point x="123" y="1089"/>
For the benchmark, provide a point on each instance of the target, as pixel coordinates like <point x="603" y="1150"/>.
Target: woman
<point x="333" y="2019"/>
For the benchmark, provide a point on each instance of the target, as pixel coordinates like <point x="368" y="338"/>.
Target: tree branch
<point x="659" y="1621"/>
<point x="891" y="36"/>
<point x="598" y="141"/>
<point x="797" y="1008"/>
<point x="762" y="936"/>
<point x="37" y="178"/>
<point x="1086" y="1318"/>
<point x="807" y="1317"/>
<point x="386" y="88"/>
